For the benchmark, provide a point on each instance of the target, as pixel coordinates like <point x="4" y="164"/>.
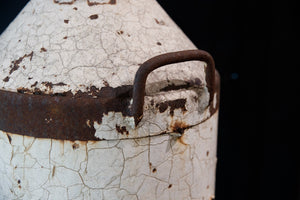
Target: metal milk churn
<point x="105" y="99"/>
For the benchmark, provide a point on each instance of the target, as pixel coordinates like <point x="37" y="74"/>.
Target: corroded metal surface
<point x="166" y="59"/>
<point x="69" y="117"/>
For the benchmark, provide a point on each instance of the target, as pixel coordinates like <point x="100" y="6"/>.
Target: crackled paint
<point x="58" y="46"/>
<point x="76" y="48"/>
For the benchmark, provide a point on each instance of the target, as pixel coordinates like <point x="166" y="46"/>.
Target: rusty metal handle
<point x="166" y="59"/>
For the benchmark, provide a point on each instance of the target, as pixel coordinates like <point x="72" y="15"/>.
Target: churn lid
<point x="66" y="63"/>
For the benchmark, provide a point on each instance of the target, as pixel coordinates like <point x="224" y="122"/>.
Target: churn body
<point x="100" y="99"/>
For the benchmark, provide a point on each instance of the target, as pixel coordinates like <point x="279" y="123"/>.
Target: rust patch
<point x="6" y="79"/>
<point x="25" y="112"/>
<point x="207" y="153"/>
<point x="158" y="43"/>
<point x="95" y="16"/>
<point x="170" y="186"/>
<point x="180" y="127"/>
<point x="160" y="22"/>
<point x="43" y="49"/>
<point x="75" y="8"/>
<point x="154" y="170"/>
<point x="66" y="37"/>
<point x="9" y="138"/>
<point x="174" y="104"/>
<point x="15" y="65"/>
<point x="75" y="146"/>
<point x="66" y="21"/>
<point x="122" y="130"/>
<point x="94" y="3"/>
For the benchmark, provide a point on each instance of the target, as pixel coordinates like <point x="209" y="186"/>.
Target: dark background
<point x="256" y="50"/>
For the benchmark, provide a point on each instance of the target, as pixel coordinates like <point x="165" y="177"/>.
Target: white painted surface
<point x="70" y="47"/>
<point x="51" y="169"/>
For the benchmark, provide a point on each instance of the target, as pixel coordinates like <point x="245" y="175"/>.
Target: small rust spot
<point x="66" y="21"/>
<point x="170" y="186"/>
<point x="33" y="85"/>
<point x="154" y="170"/>
<point x="9" y="138"/>
<point x="105" y="83"/>
<point x="122" y="130"/>
<point x="207" y="153"/>
<point x="120" y="32"/>
<point x="65" y="37"/>
<point x="19" y="186"/>
<point x="6" y="79"/>
<point x="160" y="22"/>
<point x="152" y="102"/>
<point x="75" y="146"/>
<point x="207" y="187"/>
<point x="19" y="181"/>
<point x="174" y="104"/>
<point x="158" y="43"/>
<point x="43" y="49"/>
<point x="75" y="8"/>
<point x="29" y="78"/>
<point x="95" y="16"/>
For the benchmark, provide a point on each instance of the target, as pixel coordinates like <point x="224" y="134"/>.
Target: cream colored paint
<point x="157" y="167"/>
<point x="72" y="46"/>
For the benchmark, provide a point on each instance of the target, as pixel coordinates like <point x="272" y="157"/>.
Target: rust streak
<point x="93" y="3"/>
<point x="61" y="3"/>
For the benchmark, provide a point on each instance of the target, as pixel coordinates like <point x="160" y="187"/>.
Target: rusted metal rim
<point x="165" y="59"/>
<point x="71" y="117"/>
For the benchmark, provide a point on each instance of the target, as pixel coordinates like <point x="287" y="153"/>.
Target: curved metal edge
<point x="165" y="59"/>
<point x="60" y="117"/>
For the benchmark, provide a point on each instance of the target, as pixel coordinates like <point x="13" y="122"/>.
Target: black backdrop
<point x="255" y="47"/>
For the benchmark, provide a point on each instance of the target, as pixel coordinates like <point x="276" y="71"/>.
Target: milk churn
<point x="105" y="99"/>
